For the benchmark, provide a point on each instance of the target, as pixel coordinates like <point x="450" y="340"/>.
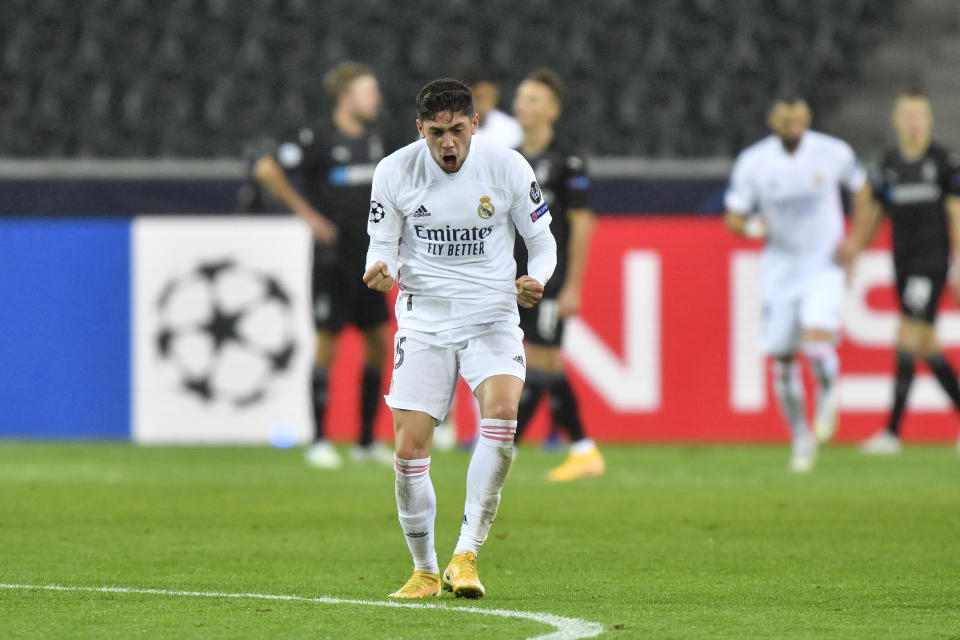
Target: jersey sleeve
<point x="529" y="209"/>
<point x="577" y="183"/>
<point x="852" y="174"/>
<point x="385" y="221"/>
<point x="741" y="196"/>
<point x="951" y="183"/>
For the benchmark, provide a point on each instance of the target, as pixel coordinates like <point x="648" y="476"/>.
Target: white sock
<point x="485" y="477"/>
<point x="825" y="365"/>
<point x="417" y="508"/>
<point x="580" y="447"/>
<point x="788" y="385"/>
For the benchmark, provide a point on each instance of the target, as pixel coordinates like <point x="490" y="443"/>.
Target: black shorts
<point x="919" y="291"/>
<point x="340" y="296"/>
<point x="542" y="324"/>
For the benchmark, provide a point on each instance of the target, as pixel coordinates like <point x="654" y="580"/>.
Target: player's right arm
<point x="740" y="200"/>
<point x="268" y="172"/>
<point x="384" y="226"/>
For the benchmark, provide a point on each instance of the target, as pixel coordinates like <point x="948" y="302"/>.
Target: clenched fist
<point x="529" y="292"/>
<point x="378" y="277"/>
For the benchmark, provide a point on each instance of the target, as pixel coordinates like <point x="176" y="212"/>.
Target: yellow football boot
<point x="461" y="576"/>
<point x="579" y="465"/>
<point x="420" y="585"/>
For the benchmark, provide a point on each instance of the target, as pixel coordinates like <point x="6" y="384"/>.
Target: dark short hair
<point x="339" y="79"/>
<point x="445" y="94"/>
<point x="787" y="96"/>
<point x="549" y="77"/>
<point x="915" y="91"/>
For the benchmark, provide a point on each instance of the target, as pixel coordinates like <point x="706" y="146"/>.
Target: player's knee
<point x="911" y="337"/>
<point x="413" y="432"/>
<point x="501" y="409"/>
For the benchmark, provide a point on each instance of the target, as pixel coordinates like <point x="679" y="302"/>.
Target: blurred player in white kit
<point x="785" y="189"/>
<point x="444" y="212"/>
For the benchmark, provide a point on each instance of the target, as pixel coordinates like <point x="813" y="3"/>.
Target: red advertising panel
<point x="667" y="344"/>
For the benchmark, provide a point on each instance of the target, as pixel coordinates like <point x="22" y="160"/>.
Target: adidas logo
<point x="519" y="360"/>
<point x="421" y="212"/>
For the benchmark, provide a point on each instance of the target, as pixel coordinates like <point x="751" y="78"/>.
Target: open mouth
<point x="450" y="162"/>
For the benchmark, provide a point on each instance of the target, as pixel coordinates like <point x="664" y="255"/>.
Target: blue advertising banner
<point x="64" y="328"/>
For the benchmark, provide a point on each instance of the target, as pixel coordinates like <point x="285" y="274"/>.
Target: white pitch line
<point x="566" y="628"/>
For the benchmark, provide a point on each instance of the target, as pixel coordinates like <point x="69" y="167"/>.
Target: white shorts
<point x="814" y="301"/>
<point x="425" y="365"/>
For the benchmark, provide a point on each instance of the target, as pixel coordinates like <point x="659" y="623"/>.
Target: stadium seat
<point x="210" y="77"/>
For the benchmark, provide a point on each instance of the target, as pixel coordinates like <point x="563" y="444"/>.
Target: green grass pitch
<point x="674" y="542"/>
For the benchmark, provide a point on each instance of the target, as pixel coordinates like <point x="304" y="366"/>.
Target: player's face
<point x="789" y="121"/>
<point x="534" y="104"/>
<point x="485" y="98"/>
<point x="448" y="138"/>
<point x="913" y="118"/>
<point x="363" y="97"/>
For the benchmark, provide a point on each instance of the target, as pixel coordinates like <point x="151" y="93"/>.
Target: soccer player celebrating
<point x="324" y="177"/>
<point x="792" y="179"/>
<point x="443" y="217"/>
<point x="918" y="185"/>
<point x="566" y="188"/>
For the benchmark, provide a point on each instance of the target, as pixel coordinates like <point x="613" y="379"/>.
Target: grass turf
<point x="674" y="542"/>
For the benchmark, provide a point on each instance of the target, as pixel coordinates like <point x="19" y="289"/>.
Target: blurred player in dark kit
<point x="918" y="185"/>
<point x="324" y="176"/>
<point x="566" y="187"/>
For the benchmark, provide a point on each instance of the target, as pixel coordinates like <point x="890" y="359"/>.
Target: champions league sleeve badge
<point x="535" y="194"/>
<point x="485" y="209"/>
<point x="376" y="211"/>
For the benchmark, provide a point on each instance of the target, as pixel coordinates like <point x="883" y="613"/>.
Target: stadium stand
<point x="207" y="78"/>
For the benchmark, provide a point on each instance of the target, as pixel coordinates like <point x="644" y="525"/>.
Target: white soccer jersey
<point x="798" y="195"/>
<point x="456" y="233"/>
<point x="500" y="128"/>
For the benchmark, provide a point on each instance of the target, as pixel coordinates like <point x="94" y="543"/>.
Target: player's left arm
<point x="853" y="177"/>
<point x="541" y="261"/>
<point x="531" y="217"/>
<point x="952" y="206"/>
<point x="866" y="215"/>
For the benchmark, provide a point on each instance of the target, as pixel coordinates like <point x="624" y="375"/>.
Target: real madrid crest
<point x="485" y="209"/>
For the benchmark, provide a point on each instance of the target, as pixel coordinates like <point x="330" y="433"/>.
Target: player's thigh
<point x="326" y="284"/>
<point x="821" y="308"/>
<point x="919" y="291"/>
<point x="424" y="375"/>
<point x="542" y="325"/>
<point x="368" y="312"/>
<point x="413" y="433"/>
<point x="499" y="397"/>
<point x="496" y="352"/>
<point x="780" y="325"/>
<point x="544" y="358"/>
<point x="368" y="308"/>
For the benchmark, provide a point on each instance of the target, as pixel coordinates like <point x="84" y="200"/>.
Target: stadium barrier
<point x="196" y="329"/>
